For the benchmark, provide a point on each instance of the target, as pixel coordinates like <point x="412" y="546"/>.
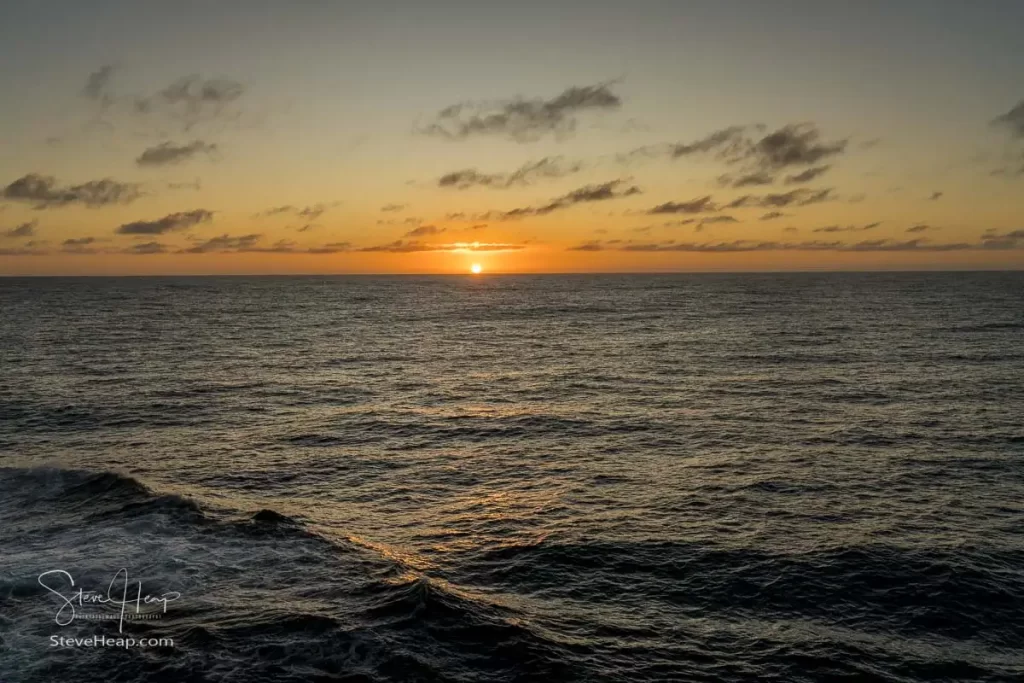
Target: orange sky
<point x="336" y="140"/>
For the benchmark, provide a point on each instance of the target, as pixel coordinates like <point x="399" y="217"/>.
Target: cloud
<point x="309" y="213"/>
<point x="192" y="100"/>
<point x="147" y="248"/>
<point x="391" y="208"/>
<point x="224" y="243"/>
<point x="613" y="189"/>
<point x="700" y="205"/>
<point x="169" y="223"/>
<point x="251" y="244"/>
<point x="24" y="230"/>
<point x="409" y="220"/>
<point x="921" y="228"/>
<point x="331" y="248"/>
<point x="522" y="120"/>
<point x="798" y="197"/>
<point x="772" y="215"/>
<point x="908" y="245"/>
<point x="847" y="228"/>
<point x="44" y="193"/>
<point x="1008" y="240"/>
<point x="278" y="247"/>
<point x="808" y="175"/>
<point x="315" y="211"/>
<point x="425" y="231"/>
<point x="97" y="85"/>
<point x="755" y="245"/>
<point x="793" y="145"/>
<point x="548" y="168"/>
<point x="406" y="247"/>
<point x="80" y="245"/>
<point x="167" y="153"/>
<point x="1013" y="120"/>
<point x="935" y="196"/>
<point x="756" y="178"/>
<point x="718" y="219"/>
<point x="277" y="210"/>
<point x="594" y="245"/>
<point x="1008" y="172"/>
<point x="727" y="143"/>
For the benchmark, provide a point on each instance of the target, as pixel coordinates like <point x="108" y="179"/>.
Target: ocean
<point x="707" y="477"/>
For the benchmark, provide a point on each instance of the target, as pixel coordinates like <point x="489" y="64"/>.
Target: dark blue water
<point x="808" y="477"/>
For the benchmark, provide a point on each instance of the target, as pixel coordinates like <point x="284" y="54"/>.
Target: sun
<point x="476" y="269"/>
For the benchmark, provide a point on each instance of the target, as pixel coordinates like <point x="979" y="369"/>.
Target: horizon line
<point x="525" y="274"/>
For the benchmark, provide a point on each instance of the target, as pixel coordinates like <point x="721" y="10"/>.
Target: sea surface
<point x="763" y="477"/>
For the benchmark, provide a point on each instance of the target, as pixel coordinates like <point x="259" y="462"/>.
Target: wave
<point x="961" y="594"/>
<point x="264" y="597"/>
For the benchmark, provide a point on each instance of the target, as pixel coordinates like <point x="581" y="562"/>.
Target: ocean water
<point x="770" y="477"/>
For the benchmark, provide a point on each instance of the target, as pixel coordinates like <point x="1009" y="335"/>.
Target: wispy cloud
<point x="169" y="223"/>
<point x="308" y="213"/>
<point x="147" y="248"/>
<point x="520" y="119"/>
<point x="167" y="153"/>
<point x="224" y="243"/>
<point x="97" y="86"/>
<point x="80" y="245"/>
<point x="391" y="208"/>
<point x="847" y="228"/>
<point x="613" y="189"/>
<point x="884" y="245"/>
<point x="253" y="243"/>
<point x="699" y="205"/>
<point x="43" y="192"/>
<point x="410" y="246"/>
<point x="1012" y="120"/>
<point x="762" y="156"/>
<point x="425" y="231"/>
<point x="808" y="175"/>
<point x="714" y="220"/>
<point x="797" y="144"/>
<point x="1006" y="240"/>
<point x="593" y="245"/>
<point x="747" y="180"/>
<point x="798" y="197"/>
<point x="192" y="100"/>
<point x="548" y="168"/>
<point x="27" y="229"/>
<point x="330" y="248"/>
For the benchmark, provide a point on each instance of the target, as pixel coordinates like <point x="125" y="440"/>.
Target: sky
<point x="310" y="136"/>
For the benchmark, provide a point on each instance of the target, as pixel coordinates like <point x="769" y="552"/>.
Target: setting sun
<point x="476" y="268"/>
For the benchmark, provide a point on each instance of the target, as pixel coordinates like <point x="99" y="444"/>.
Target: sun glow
<point x="476" y="269"/>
